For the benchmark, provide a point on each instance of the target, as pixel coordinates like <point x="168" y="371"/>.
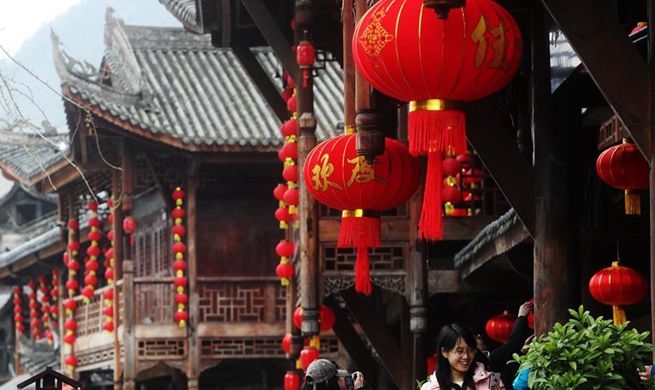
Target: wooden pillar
<point x="556" y="143"/>
<point x="117" y="228"/>
<point x="651" y="58"/>
<point x="193" y="361"/>
<point x="127" y="204"/>
<point x="308" y="208"/>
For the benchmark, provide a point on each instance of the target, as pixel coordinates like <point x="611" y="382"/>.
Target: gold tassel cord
<point x="632" y="202"/>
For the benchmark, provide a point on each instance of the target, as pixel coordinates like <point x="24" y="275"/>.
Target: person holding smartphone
<point x="323" y="374"/>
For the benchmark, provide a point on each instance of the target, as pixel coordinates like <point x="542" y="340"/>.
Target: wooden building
<point x="170" y="109"/>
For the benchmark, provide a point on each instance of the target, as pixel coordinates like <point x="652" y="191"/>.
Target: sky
<point x="19" y="20"/>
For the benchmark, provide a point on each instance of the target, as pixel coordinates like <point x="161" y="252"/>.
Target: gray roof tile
<point x="193" y="92"/>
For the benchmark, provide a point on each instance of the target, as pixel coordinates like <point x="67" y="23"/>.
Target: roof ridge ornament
<point x="125" y="70"/>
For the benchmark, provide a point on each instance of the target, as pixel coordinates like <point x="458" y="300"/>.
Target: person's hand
<point x="645" y="375"/>
<point x="358" y="380"/>
<point x="525" y="309"/>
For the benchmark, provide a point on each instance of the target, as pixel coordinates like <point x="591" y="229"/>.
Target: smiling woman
<point x="456" y="365"/>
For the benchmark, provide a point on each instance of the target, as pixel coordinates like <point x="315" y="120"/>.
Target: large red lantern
<point x="337" y="177"/>
<point x="500" y="327"/>
<point x="623" y="167"/>
<point x="618" y="286"/>
<point x="405" y="51"/>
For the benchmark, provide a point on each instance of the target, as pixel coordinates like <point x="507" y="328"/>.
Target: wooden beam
<point x="502" y="158"/>
<point x="271" y="32"/>
<point x="443" y="281"/>
<point x="625" y="80"/>
<point x="353" y="343"/>
<point x="261" y="80"/>
<point x="387" y="348"/>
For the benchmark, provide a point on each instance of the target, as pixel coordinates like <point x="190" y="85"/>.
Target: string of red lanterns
<point x="54" y="294"/>
<point x="181" y="298"/>
<point x="70" y="325"/>
<point x="285" y="270"/>
<point x="108" y="294"/>
<point x="45" y="309"/>
<point x="18" y="311"/>
<point x="34" y="314"/>
<point x="93" y="251"/>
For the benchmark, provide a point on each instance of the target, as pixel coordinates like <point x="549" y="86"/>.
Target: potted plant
<point x="587" y="353"/>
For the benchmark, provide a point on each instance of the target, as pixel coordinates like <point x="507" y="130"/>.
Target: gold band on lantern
<point x="359" y="213"/>
<point x="350" y="129"/>
<point x="435" y="105"/>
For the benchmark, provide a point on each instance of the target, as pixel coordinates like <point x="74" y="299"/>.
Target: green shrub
<point x="587" y="353"/>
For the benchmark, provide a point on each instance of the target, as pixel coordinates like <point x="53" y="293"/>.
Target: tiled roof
<point x="26" y="156"/>
<point x="175" y="87"/>
<point x="186" y="11"/>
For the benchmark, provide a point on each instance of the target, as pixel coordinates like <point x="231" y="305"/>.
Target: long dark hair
<point x="446" y="341"/>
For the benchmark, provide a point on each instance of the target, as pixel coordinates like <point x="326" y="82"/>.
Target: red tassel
<point x="430" y="227"/>
<point x="436" y="131"/>
<point x="356" y="231"/>
<point x="362" y="271"/>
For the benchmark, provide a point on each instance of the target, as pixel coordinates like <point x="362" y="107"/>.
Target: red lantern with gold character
<point x="405" y="51"/>
<point x="337" y="177"/>
<point x="500" y="327"/>
<point x="623" y="167"/>
<point x="618" y="286"/>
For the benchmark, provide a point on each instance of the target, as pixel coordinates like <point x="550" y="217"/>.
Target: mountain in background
<point x="81" y="31"/>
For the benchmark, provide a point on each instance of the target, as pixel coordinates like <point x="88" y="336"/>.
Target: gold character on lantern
<point x="499" y="45"/>
<point x="322" y="173"/>
<point x="362" y="172"/>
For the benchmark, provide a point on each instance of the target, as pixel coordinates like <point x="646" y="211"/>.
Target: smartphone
<point x="494" y="381"/>
<point x="349" y="382"/>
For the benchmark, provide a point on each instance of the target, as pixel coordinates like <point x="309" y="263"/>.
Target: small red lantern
<point x="282" y="215"/>
<point x="451" y="194"/>
<point x="285" y="249"/>
<point x="290" y="129"/>
<point x="279" y="192"/>
<point x="71" y="362"/>
<point x="73" y="224"/>
<point x="477" y="53"/>
<point x="297" y="317"/>
<point x="305" y="56"/>
<point x="286" y="93"/>
<point x="623" y="167"/>
<point x="327" y="318"/>
<point x="292" y="103"/>
<point x="285" y="272"/>
<point x="129" y="225"/>
<point x="286" y="342"/>
<point x="500" y="327"/>
<point x="618" y="286"/>
<point x="290" y="173"/>
<point x="289" y="151"/>
<point x="291" y="381"/>
<point x="450" y="166"/>
<point x="307" y="356"/>
<point x="292" y="198"/>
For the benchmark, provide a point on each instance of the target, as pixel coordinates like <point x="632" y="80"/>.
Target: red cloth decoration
<point x="618" y="286"/>
<point x="407" y="52"/>
<point x="500" y="327"/>
<point x="337" y="177"/>
<point x="625" y="168"/>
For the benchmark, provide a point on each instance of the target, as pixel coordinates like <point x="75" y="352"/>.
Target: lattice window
<point x="387" y="257"/>
<point x="152" y="246"/>
<point x="96" y="355"/>
<point x="257" y="347"/>
<point x="161" y="348"/>
<point x="154" y="302"/>
<point x="89" y="316"/>
<point x="242" y="301"/>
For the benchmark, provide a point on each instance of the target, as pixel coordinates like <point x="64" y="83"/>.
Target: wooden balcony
<point x="238" y="317"/>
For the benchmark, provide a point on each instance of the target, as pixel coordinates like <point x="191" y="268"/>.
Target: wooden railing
<point x="89" y="316"/>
